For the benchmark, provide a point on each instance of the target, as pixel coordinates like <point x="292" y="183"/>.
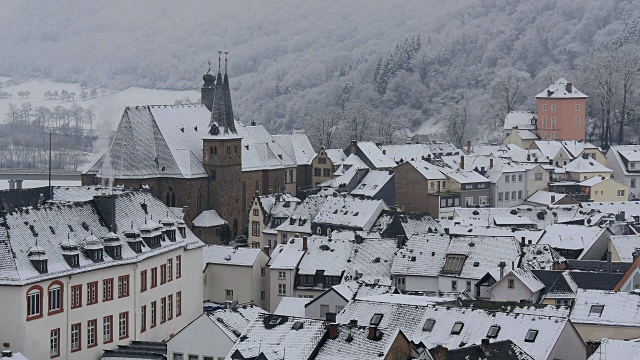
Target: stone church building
<point x="198" y="157"/>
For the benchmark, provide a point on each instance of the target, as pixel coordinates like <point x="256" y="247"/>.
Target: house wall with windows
<point x="321" y="168"/>
<point x="202" y="338"/>
<point x="281" y="284"/>
<point x="33" y="336"/>
<point x="451" y="283"/>
<point x="511" y="289"/>
<point x="608" y="190"/>
<point x="537" y="179"/>
<point x="509" y="190"/>
<point x="561" y="119"/>
<point x="330" y="302"/>
<point x="416" y="283"/>
<point x="224" y="282"/>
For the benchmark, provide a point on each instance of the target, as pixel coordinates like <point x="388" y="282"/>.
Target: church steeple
<point x="206" y="92"/>
<point x="218" y="115"/>
<point x="226" y="92"/>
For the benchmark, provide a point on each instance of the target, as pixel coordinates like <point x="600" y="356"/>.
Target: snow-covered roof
<point x="527" y="135"/>
<point x="408" y="299"/>
<point x="374" y="154"/>
<point x="337" y="156"/>
<point x="234" y="322"/>
<point x="546" y="198"/>
<point x="297" y="146"/>
<point x="348" y="211"/>
<point x="274" y="336"/>
<point x="560" y="90"/>
<point x="575" y="148"/>
<point x="419" y="224"/>
<point x="482" y="254"/>
<point x="464" y="176"/>
<point x="422" y="255"/>
<point x="625" y="245"/>
<point x="581" y="165"/>
<point x="325" y="254"/>
<point x="512" y="220"/>
<point x="611" y="349"/>
<point x="539" y="216"/>
<point x="519" y="120"/>
<point x="503" y="167"/>
<point x="407" y="152"/>
<point x="156" y="141"/>
<point x="618" y="308"/>
<point x="208" y="218"/>
<point x="357" y="289"/>
<point x="571" y="237"/>
<point x="291" y="306"/>
<point x="300" y="219"/>
<point x="372" y="183"/>
<point x="550" y="148"/>
<point x="80" y="222"/>
<point x="527" y="278"/>
<point x="540" y="256"/>
<point x="353" y="343"/>
<point x="260" y="151"/>
<point x="278" y="205"/>
<point x="592" y="181"/>
<point x="428" y="170"/>
<point x="288" y="256"/>
<point x="228" y="255"/>
<point x="630" y="208"/>
<point x="520" y="155"/>
<point x="82" y="193"/>
<point x="514" y="324"/>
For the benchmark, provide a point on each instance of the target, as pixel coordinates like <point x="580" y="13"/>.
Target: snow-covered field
<point x="108" y="107"/>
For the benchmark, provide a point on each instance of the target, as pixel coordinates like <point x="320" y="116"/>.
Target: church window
<point x="211" y="150"/>
<point x="200" y="200"/>
<point x="170" y="198"/>
<point x="215" y="150"/>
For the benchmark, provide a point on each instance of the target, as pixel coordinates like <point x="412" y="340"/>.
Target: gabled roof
<point x="519" y="120"/>
<point x="526" y="277"/>
<point x="623" y="154"/>
<point x="630" y="208"/>
<point x="156" y="141"/>
<point x="374" y="154"/>
<point x="208" y="218"/>
<point x="228" y="255"/>
<point x="551" y="148"/>
<point x="353" y="343"/>
<point x="611" y="349"/>
<point x="540" y="257"/>
<point x="349" y="211"/>
<point x="581" y="165"/>
<point x="502" y="350"/>
<point x="625" y="245"/>
<point x="292" y="306"/>
<point x="571" y="237"/>
<point x="575" y="148"/>
<point x="559" y="90"/>
<point x="546" y="198"/>
<point x="482" y="254"/>
<point x="297" y="146"/>
<point x="287" y="256"/>
<point x="619" y="308"/>
<point x="407" y="152"/>
<point x="300" y="219"/>
<point x="337" y="156"/>
<point x="372" y="183"/>
<point x="260" y="151"/>
<point x="234" y="321"/>
<point x="428" y="170"/>
<point x="422" y="255"/>
<point x="464" y="176"/>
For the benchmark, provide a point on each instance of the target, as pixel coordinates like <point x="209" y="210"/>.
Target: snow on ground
<point x="108" y="107"/>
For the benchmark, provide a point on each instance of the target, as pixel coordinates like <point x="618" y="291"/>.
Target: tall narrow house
<point x="561" y="112"/>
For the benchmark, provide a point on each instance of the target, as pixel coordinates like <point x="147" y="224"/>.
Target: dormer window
<point x="38" y="259"/>
<point x="70" y="252"/>
<point x="182" y="228"/>
<point x="596" y="310"/>
<point x="112" y="246"/>
<point x="94" y="248"/>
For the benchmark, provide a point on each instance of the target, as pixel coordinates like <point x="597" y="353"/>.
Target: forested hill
<point x="292" y="61"/>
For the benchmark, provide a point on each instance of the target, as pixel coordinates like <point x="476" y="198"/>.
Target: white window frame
<point x="34" y="303"/>
<point x="282" y="289"/>
<point x="228" y="294"/>
<point x="75" y="337"/>
<point x="107" y="326"/>
<point x="91" y="333"/>
<point x="282" y="275"/>
<point x="54" y="343"/>
<point x="55" y="298"/>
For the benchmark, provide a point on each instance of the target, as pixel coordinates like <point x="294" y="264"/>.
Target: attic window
<point x="376" y="319"/>
<point x="280" y="156"/>
<point x="454" y="263"/>
<point x="596" y="310"/>
<point x="428" y="325"/>
<point x="457" y="328"/>
<point x="493" y="331"/>
<point x="531" y="335"/>
<point x="356" y="213"/>
<point x="297" y="325"/>
<point x="85" y="226"/>
<point x="274" y="320"/>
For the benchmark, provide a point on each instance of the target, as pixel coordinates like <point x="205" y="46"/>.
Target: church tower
<point x="206" y="92"/>
<point x="222" y="156"/>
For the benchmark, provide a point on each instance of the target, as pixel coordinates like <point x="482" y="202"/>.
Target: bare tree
<point x="324" y="126"/>
<point x="455" y="120"/>
<point x="628" y="63"/>
<point x="506" y="92"/>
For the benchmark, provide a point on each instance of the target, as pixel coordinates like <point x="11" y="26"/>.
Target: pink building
<point x="561" y="112"/>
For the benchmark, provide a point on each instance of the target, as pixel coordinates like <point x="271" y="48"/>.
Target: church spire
<point x="226" y="92"/>
<point x="218" y="116"/>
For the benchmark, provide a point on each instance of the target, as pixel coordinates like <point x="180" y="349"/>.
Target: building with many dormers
<point x="199" y="158"/>
<point x="80" y="277"/>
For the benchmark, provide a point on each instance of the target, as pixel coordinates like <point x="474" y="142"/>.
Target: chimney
<point x="354" y="147"/>
<point x="353" y="322"/>
<point x="569" y="87"/>
<point x="18" y="184"/>
<point x="440" y="353"/>
<point x="373" y="333"/>
<point x="304" y="243"/>
<point x="400" y="241"/>
<point x="384" y="152"/>
<point x="502" y="265"/>
<point x="528" y="156"/>
<point x="485" y="345"/>
<point x="106" y="208"/>
<point x="553" y="199"/>
<point x="462" y="162"/>
<point x="468" y="147"/>
<point x="333" y="331"/>
<point x="491" y="163"/>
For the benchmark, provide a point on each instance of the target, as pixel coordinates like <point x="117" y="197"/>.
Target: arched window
<point x="200" y="200"/>
<point x="34" y="302"/>
<point x="215" y="150"/>
<point x="170" y="198"/>
<point x="210" y="150"/>
<point x="56" y="296"/>
<point x="319" y="230"/>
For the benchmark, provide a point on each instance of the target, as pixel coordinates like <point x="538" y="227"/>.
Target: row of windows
<point x="504" y="196"/>
<point x="322" y="172"/>
<point x="512" y="178"/>
<point x="56" y="296"/>
<point x="576" y="122"/>
<point x="493" y="332"/>
<point x="553" y="107"/>
<point x="92" y="335"/>
<point x="180" y="356"/>
<point x="167" y="305"/>
<point x="166" y="273"/>
<point x="552" y="136"/>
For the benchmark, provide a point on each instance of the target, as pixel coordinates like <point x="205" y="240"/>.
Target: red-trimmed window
<point x="143" y="318"/>
<point x="170" y="307"/>
<point x="178" y="266"/>
<point x="107" y="289"/>
<point x="92" y="329"/>
<point x="143" y="280"/>
<point x="56" y="294"/>
<point x="163" y="310"/>
<point x="76" y="337"/>
<point x="34" y="302"/>
<point x="107" y="329"/>
<point x="123" y="286"/>
<point x="169" y="269"/>
<point x="92" y="293"/>
<point x="54" y="343"/>
<point x="163" y="274"/>
<point x="178" y="303"/>
<point x="123" y="325"/>
<point x="153" y="314"/>
<point x="154" y="277"/>
<point x="76" y="296"/>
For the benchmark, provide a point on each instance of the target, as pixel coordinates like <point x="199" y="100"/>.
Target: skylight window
<point x="454" y="263"/>
<point x="274" y="320"/>
<point x="531" y="335"/>
<point x="457" y="328"/>
<point x="428" y="325"/>
<point x="376" y="319"/>
<point x="297" y="325"/>
<point x="493" y="331"/>
<point x="596" y="310"/>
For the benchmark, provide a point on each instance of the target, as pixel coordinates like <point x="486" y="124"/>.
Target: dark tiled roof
<point x="597" y="265"/>
<point x="500" y="350"/>
<point x="11" y="199"/>
<point x="596" y="281"/>
<point x="138" y="350"/>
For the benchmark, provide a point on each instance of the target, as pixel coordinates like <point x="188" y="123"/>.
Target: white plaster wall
<point x="331" y="298"/>
<point x="569" y="345"/>
<point x="218" y="278"/>
<point x="533" y="185"/>
<point x="503" y="186"/>
<point x="274" y="298"/>
<point x="501" y="291"/>
<point x="203" y="338"/>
